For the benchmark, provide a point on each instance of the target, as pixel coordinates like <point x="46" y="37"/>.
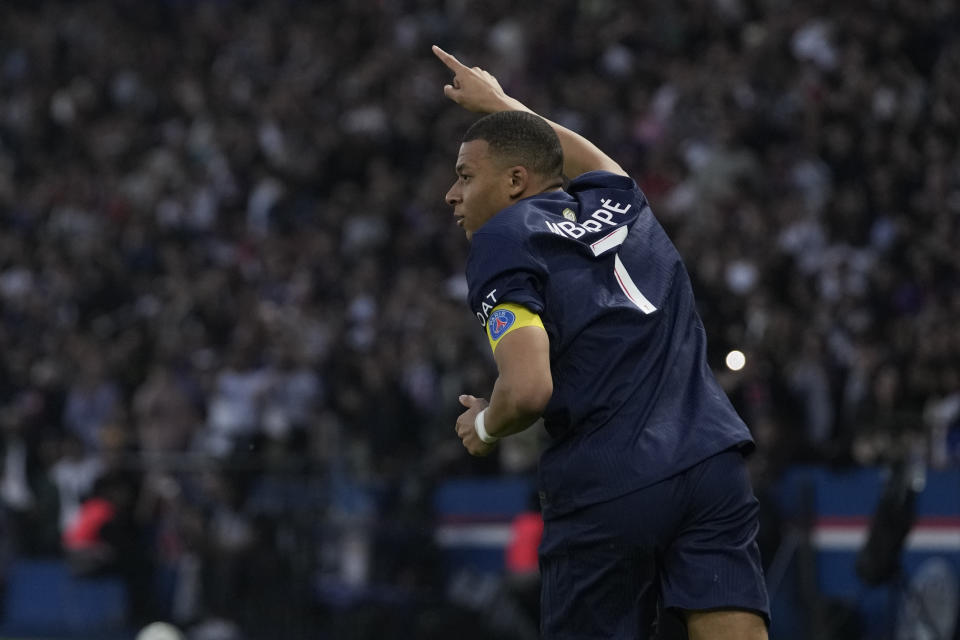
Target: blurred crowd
<point x="232" y="307"/>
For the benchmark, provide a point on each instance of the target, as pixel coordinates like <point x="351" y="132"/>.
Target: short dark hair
<point x="520" y="138"/>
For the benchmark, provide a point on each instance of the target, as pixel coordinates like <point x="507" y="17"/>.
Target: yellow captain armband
<point x="508" y="317"/>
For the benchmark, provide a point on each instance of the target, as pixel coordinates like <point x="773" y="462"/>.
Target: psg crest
<point x="500" y="320"/>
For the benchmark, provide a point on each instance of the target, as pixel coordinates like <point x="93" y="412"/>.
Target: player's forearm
<point x="579" y="154"/>
<point x="515" y="407"/>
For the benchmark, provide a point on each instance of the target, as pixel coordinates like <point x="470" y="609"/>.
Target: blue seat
<point x="43" y="597"/>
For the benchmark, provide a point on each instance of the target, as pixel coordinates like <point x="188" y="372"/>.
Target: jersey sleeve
<point x="502" y="269"/>
<point x="604" y="180"/>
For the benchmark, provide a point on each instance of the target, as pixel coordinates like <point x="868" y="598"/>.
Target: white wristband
<point x="482" y="430"/>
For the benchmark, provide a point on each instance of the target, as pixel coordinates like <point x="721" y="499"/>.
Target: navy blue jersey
<point x="634" y="400"/>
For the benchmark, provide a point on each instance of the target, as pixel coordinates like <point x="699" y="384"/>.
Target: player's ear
<point x="519" y="180"/>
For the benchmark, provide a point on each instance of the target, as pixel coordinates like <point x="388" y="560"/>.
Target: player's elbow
<point x="530" y="399"/>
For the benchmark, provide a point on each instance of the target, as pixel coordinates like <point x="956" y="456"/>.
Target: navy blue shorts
<point x="688" y="542"/>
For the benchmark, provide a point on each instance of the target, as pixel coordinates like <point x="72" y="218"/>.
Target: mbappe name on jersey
<point x="598" y="219"/>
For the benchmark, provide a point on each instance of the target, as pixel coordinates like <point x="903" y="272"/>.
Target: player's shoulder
<point x="601" y="180"/>
<point x="507" y="239"/>
<point x="613" y="191"/>
<point x="514" y="224"/>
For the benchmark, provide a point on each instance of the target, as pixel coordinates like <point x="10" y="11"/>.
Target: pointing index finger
<point x="452" y="63"/>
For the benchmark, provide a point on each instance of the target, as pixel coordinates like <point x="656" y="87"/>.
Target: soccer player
<point x="590" y="315"/>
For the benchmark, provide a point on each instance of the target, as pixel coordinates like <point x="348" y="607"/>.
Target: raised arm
<point x="477" y="90"/>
